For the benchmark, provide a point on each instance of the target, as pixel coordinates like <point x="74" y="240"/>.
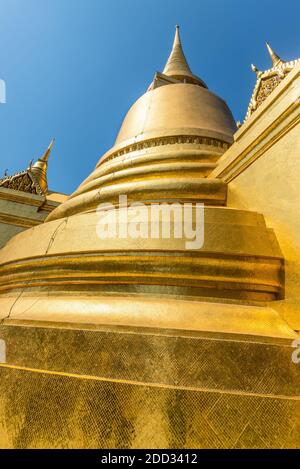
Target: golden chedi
<point x="169" y="143"/>
<point x="143" y="342"/>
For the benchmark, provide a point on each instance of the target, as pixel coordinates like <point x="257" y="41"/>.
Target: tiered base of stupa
<point x="127" y="344"/>
<point x="76" y="385"/>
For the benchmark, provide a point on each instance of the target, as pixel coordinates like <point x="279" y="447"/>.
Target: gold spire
<point x="276" y="60"/>
<point x="48" y="151"/>
<point x="177" y="61"/>
<point x="39" y="169"/>
<point x="177" y="65"/>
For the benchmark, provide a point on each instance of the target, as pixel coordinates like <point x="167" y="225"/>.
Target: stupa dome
<point x="177" y="109"/>
<point x="168" y="144"/>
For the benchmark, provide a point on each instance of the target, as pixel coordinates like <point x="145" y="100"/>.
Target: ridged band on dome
<point x="161" y="141"/>
<point x="239" y="260"/>
<point x="151" y="174"/>
<point x="198" y="274"/>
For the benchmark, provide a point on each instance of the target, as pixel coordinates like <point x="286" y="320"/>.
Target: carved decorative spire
<point x="268" y="80"/>
<point x="177" y="66"/>
<point x="276" y="60"/>
<point x="39" y="169"/>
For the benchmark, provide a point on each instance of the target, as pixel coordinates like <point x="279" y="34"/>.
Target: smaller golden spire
<point x="39" y="169"/>
<point x="276" y="60"/>
<point x="48" y="151"/>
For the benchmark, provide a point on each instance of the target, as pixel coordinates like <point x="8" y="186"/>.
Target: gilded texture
<point x="66" y="412"/>
<point x="189" y="359"/>
<point x="170" y="396"/>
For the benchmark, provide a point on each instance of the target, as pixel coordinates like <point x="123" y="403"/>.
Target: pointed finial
<point x="48" y="151"/>
<point x="276" y="60"/>
<point x="177" y="63"/>
<point x="177" y="66"/>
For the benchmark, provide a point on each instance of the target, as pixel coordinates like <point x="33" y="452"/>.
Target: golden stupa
<point x="131" y="343"/>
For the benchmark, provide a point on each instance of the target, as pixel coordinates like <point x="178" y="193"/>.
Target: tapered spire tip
<point x="276" y="60"/>
<point x="48" y="151"/>
<point x="177" y="63"/>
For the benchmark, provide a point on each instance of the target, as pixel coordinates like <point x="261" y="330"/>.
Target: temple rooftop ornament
<point x="269" y="79"/>
<point x="255" y="69"/>
<point x="32" y="180"/>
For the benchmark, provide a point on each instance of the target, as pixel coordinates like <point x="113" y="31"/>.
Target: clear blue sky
<point x="73" y="67"/>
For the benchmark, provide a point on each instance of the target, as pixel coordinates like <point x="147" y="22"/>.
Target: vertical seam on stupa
<point x="29" y="281"/>
<point x="65" y="221"/>
<point x="14" y="303"/>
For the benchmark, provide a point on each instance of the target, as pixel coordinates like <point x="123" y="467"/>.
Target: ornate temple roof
<point x="33" y="180"/>
<point x="268" y="80"/>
